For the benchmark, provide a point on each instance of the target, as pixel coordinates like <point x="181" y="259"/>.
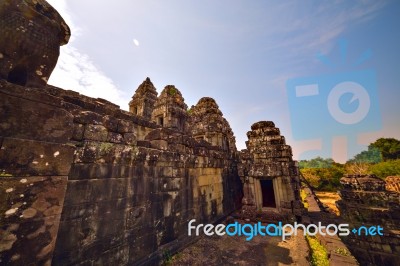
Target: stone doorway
<point x="268" y="193"/>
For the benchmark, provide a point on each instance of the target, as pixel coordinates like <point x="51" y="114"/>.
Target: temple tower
<point x="208" y="123"/>
<point x="143" y="100"/>
<point x="170" y="110"/>
<point x="270" y="176"/>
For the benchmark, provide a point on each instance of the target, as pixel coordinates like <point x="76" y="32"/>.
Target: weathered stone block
<point x="165" y="172"/>
<point x="110" y="122"/>
<point x="78" y="131"/>
<point x="170" y="184"/>
<point x="95" y="132"/>
<point x="32" y="33"/>
<point x="25" y="157"/>
<point x="30" y="210"/>
<point x="125" y="126"/>
<point x="21" y="118"/>
<point x="159" y="144"/>
<point x="80" y="171"/>
<point x="98" y="190"/>
<point x="115" y="137"/>
<point x="205" y="180"/>
<point x="130" y="138"/>
<point x="88" y="117"/>
<point x="105" y="152"/>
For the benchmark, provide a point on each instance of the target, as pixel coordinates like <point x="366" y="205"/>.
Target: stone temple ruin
<point x="91" y="183"/>
<point x="83" y="182"/>
<point x="269" y="175"/>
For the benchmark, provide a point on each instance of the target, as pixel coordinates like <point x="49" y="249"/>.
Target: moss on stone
<point x="172" y="91"/>
<point x="106" y="147"/>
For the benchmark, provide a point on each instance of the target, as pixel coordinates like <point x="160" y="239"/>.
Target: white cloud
<point x="76" y="71"/>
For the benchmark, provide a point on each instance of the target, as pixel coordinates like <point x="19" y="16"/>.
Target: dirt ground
<point x="227" y="250"/>
<point x="329" y="199"/>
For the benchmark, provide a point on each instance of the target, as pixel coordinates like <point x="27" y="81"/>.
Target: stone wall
<point x="35" y="160"/>
<point x="84" y="182"/>
<point x="366" y="202"/>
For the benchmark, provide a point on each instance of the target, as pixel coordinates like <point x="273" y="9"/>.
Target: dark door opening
<point x="160" y="120"/>
<point x="268" y="194"/>
<point x="18" y="75"/>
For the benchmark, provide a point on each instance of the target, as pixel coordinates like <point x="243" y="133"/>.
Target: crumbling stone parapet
<point x="363" y="182"/>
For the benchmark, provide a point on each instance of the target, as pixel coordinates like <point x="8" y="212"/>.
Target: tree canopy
<point x="318" y="162"/>
<point x="382" y="149"/>
<point x="388" y="147"/>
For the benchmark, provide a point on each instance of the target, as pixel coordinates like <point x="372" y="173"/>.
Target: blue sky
<point x="241" y="53"/>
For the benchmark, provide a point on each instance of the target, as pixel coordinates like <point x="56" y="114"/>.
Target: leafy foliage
<point x="382" y="159"/>
<point x="382" y="149"/>
<point x="318" y="162"/>
<point x="172" y="91"/>
<point x="372" y="155"/>
<point x="385" y="169"/>
<point x="324" y="179"/>
<point x="388" y="147"/>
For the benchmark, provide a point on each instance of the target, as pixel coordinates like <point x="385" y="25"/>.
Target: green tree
<point x="372" y="155"/>
<point x="385" y="169"/>
<point x="318" y="162"/>
<point x="388" y="147"/>
<point x="325" y="178"/>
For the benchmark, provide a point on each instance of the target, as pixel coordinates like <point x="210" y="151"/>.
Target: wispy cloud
<point x="76" y="71"/>
<point x="317" y="27"/>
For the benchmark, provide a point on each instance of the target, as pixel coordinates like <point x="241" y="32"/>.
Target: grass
<point x="5" y="175"/>
<point x="303" y="195"/>
<point x="172" y="91"/>
<point x="319" y="255"/>
<point x="169" y="259"/>
<point x="106" y="147"/>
